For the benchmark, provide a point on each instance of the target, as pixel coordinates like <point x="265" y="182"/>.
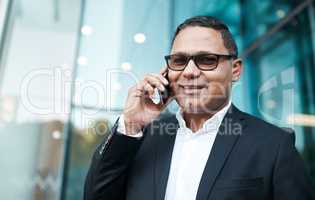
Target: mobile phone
<point x="161" y="96"/>
<point x="166" y="93"/>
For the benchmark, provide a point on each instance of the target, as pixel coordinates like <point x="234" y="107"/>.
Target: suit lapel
<point x="163" y="155"/>
<point x="224" y="143"/>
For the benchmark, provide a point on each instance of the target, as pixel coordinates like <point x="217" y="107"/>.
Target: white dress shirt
<point x="190" y="154"/>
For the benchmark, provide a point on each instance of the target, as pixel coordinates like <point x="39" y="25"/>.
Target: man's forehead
<point x="196" y="39"/>
<point x="197" y="32"/>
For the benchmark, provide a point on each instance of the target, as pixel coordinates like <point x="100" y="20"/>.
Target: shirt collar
<point x="211" y="124"/>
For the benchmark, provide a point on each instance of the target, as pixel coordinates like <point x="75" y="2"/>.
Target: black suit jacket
<point x="250" y="159"/>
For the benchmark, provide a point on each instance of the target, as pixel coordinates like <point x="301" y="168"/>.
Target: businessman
<point x="209" y="150"/>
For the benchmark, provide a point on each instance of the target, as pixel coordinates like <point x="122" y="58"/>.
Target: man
<point x="210" y="149"/>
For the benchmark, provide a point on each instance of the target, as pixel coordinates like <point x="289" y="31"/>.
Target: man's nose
<point x="191" y="70"/>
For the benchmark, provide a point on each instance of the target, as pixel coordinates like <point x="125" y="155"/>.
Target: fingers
<point x="163" y="70"/>
<point x="156" y="81"/>
<point x="136" y="91"/>
<point x="146" y="87"/>
<point x="162" y="78"/>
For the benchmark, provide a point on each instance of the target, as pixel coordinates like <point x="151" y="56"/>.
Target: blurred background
<point x="66" y="66"/>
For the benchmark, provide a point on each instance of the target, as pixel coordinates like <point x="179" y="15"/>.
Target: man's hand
<point x="139" y="109"/>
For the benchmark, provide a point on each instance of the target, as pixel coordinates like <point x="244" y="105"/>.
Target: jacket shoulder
<point x="266" y="130"/>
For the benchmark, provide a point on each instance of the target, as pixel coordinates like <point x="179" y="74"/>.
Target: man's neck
<point x="195" y="121"/>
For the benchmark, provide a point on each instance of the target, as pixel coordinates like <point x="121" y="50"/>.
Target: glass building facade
<point x="66" y="66"/>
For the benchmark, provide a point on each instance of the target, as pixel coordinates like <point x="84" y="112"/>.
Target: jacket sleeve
<point x="291" y="180"/>
<point x="106" y="177"/>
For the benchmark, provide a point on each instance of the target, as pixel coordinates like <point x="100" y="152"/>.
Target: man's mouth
<point x="191" y="89"/>
<point x="192" y="86"/>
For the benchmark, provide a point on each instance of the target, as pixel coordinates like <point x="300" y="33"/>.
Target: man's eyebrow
<point x="204" y="52"/>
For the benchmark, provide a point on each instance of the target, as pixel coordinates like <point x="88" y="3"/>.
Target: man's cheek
<point x="216" y="89"/>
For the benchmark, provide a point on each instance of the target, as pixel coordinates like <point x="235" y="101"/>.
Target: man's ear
<point x="237" y="68"/>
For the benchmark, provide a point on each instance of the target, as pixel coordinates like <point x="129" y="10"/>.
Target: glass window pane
<point x="35" y="96"/>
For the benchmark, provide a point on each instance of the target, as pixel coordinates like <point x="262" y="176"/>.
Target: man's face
<point x="198" y="91"/>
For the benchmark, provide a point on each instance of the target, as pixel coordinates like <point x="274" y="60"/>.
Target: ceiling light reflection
<point x="139" y="38"/>
<point x="126" y="66"/>
<point x="86" y="30"/>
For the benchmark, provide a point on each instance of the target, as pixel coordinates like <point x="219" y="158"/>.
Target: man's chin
<point x="193" y="108"/>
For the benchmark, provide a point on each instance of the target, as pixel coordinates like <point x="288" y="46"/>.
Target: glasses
<point x="205" y="62"/>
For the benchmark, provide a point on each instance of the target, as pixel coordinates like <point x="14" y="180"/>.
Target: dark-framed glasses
<point x="205" y="61"/>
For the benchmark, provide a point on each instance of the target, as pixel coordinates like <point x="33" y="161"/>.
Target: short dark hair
<point x="214" y="23"/>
